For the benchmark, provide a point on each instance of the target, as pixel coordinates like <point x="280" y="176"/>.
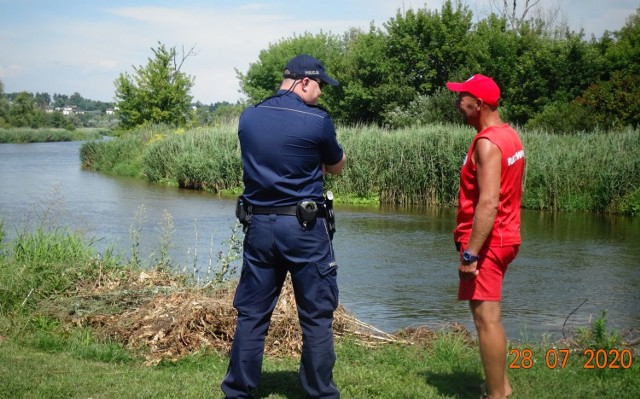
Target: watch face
<point x="467" y="257"/>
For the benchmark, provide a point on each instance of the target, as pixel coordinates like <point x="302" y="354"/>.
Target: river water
<point x="397" y="266"/>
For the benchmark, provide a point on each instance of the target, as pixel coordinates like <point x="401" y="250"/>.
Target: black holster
<point x="243" y="214"/>
<point x="331" y="216"/>
<point x="307" y="212"/>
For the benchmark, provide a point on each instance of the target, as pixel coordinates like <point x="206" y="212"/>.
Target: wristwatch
<point x="468" y="257"/>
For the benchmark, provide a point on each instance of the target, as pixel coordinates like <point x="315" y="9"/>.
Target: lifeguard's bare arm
<point x="487" y="157"/>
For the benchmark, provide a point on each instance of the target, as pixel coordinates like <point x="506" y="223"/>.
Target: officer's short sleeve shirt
<point x="284" y="143"/>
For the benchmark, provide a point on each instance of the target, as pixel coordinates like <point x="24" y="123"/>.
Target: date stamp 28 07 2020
<point x="557" y="358"/>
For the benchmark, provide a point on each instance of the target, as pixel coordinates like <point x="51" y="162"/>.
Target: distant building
<point x="70" y="110"/>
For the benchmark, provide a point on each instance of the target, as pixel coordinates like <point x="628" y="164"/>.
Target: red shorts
<point x="487" y="286"/>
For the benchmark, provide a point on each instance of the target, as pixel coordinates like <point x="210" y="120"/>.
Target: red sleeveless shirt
<point x="506" y="228"/>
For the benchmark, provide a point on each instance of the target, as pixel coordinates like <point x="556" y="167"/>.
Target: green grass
<point x="447" y="369"/>
<point x="41" y="264"/>
<point x="32" y="373"/>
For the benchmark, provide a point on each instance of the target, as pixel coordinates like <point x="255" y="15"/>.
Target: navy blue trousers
<point x="273" y="246"/>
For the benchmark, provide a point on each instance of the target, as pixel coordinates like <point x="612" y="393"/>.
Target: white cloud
<point x="11" y="71"/>
<point x="223" y="41"/>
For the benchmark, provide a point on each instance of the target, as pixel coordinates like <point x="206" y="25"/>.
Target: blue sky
<point x="83" y="45"/>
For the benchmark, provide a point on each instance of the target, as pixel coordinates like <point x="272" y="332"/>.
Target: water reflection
<point x="397" y="265"/>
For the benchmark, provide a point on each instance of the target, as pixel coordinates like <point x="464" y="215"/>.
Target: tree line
<point x="42" y="110"/>
<point x="30" y="110"/>
<point x="552" y="78"/>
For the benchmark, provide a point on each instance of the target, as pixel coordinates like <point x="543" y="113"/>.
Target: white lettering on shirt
<point x="515" y="158"/>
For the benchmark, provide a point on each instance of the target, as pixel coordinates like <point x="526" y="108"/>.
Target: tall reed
<point x="121" y="156"/>
<point x="202" y="158"/>
<point x="28" y="135"/>
<point x="598" y="171"/>
<point x="408" y="166"/>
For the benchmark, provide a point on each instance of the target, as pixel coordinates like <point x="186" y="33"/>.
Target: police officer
<point x="287" y="143"/>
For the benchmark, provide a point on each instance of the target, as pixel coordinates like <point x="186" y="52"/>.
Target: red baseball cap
<point x="479" y="86"/>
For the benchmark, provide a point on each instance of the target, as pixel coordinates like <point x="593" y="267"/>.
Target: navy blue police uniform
<point x="284" y="143"/>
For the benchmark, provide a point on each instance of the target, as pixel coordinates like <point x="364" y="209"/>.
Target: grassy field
<point x="594" y="172"/>
<point x="446" y="369"/>
<point x="72" y="326"/>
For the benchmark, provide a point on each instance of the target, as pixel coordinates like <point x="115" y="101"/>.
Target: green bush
<point x="563" y="118"/>
<point x="425" y="110"/>
<point x="598" y="336"/>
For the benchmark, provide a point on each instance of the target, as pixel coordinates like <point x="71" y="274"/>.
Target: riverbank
<point x="49" y="135"/>
<point x="77" y="324"/>
<point x="588" y="172"/>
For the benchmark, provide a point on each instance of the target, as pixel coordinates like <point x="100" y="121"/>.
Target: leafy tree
<point x="428" y="46"/>
<point x="265" y="75"/>
<point x="157" y="93"/>
<point x="414" y="57"/>
<point x="546" y="71"/>
<point x="492" y="50"/>
<point x="424" y="110"/>
<point x="4" y="107"/>
<point x="77" y="100"/>
<point x="226" y="112"/>
<point x="563" y="118"/>
<point x="218" y="113"/>
<point x="623" y="52"/>
<point x="368" y="79"/>
<point x="23" y="111"/>
<point x="387" y="70"/>
<point x="613" y="104"/>
<point x="60" y="100"/>
<point x="56" y="119"/>
<point x="42" y="99"/>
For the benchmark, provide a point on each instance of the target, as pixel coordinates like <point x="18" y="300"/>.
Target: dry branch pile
<point x="154" y="313"/>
